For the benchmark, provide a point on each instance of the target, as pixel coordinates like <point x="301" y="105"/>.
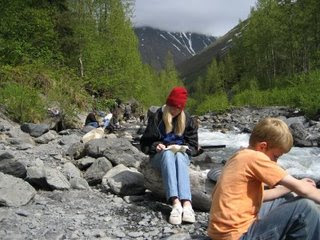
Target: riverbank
<point x="72" y="197"/>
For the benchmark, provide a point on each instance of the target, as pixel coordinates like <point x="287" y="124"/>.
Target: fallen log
<point x="201" y="185"/>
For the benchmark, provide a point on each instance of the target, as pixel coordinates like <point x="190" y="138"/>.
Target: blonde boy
<point x="237" y="211"/>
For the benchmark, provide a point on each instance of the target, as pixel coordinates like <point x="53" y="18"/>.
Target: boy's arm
<point x="304" y="188"/>
<point x="274" y="193"/>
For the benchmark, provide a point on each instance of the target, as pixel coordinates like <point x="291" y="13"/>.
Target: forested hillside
<point x="81" y="55"/>
<point x="275" y="60"/>
<point x="75" y="55"/>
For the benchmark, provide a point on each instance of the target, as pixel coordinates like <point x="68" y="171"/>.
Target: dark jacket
<point x="152" y="135"/>
<point x="91" y="118"/>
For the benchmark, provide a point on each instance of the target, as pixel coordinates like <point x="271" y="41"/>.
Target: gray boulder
<point x="70" y="171"/>
<point x="68" y="140"/>
<point x="85" y="163"/>
<point x="47" y="178"/>
<point x="76" y="150"/>
<point x="124" y="181"/>
<point x="293" y="120"/>
<point x="35" y="130"/>
<point x="118" y="151"/>
<point x="97" y="170"/>
<point x="14" y="192"/>
<point x="300" y="135"/>
<point x="9" y="165"/>
<point x="47" y="137"/>
<point x="79" y="183"/>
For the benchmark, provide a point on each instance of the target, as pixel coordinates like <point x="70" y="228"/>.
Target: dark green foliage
<point x="67" y="51"/>
<point x="168" y="79"/>
<point x="272" y="60"/>
<point x="35" y="87"/>
<point x="214" y="103"/>
<point x="26" y="33"/>
<point x="304" y="94"/>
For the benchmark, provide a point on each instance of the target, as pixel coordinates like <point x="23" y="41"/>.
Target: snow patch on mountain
<point x="155" y="44"/>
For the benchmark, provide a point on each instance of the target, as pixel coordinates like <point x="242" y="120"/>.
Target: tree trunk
<point x="81" y="66"/>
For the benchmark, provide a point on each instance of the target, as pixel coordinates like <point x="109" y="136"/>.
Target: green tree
<point x="213" y="81"/>
<point x="27" y="32"/>
<point x="168" y="78"/>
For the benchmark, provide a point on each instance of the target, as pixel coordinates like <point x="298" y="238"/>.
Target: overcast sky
<point x="214" y="17"/>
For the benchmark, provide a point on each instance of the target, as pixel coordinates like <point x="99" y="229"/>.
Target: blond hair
<point x="274" y="132"/>
<point x="180" y="123"/>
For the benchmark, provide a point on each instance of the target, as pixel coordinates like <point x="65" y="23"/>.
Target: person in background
<point x="107" y="122"/>
<point x="171" y="126"/>
<point x="91" y="120"/>
<point x="238" y="211"/>
<point x="127" y="112"/>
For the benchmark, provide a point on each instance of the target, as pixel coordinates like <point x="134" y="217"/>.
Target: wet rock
<point x="300" y="135"/>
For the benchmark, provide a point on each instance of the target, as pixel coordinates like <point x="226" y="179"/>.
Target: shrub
<point x="215" y="103"/>
<point x="22" y="103"/>
<point x="303" y="92"/>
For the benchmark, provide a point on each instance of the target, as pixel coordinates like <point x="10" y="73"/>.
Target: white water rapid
<point x="299" y="162"/>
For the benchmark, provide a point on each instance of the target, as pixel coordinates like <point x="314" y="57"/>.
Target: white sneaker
<point x="188" y="215"/>
<point x="176" y="214"/>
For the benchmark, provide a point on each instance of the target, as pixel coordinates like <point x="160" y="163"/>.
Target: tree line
<point x="275" y="60"/>
<point x="77" y="54"/>
<point x="81" y="54"/>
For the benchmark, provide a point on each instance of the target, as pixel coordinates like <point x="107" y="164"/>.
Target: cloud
<point x="214" y="17"/>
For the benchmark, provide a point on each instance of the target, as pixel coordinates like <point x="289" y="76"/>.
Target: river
<point x="299" y="162"/>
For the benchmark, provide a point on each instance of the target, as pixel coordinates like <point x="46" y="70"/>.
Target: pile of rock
<point x="53" y="186"/>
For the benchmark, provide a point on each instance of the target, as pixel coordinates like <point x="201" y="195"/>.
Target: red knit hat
<point x="177" y="97"/>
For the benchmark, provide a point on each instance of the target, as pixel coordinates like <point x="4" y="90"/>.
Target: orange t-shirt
<point x="238" y="195"/>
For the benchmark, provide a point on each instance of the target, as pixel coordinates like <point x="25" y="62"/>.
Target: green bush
<point x="68" y="92"/>
<point x="104" y="104"/>
<point x="59" y="87"/>
<point x="215" y="103"/>
<point x="22" y="103"/>
<point x="303" y="93"/>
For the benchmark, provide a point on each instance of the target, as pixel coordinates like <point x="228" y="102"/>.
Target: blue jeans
<point x="288" y="217"/>
<point x="174" y="170"/>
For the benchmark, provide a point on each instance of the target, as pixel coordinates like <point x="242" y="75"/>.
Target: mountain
<point x="154" y="45"/>
<point x="197" y="65"/>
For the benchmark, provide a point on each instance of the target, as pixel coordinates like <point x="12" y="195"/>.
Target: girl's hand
<point x="160" y="147"/>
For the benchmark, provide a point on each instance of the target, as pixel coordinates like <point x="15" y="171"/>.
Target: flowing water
<point x="299" y="162"/>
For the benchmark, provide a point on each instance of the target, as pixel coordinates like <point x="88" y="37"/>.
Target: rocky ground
<point x="40" y="200"/>
<point x="52" y="186"/>
<point x="78" y="214"/>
